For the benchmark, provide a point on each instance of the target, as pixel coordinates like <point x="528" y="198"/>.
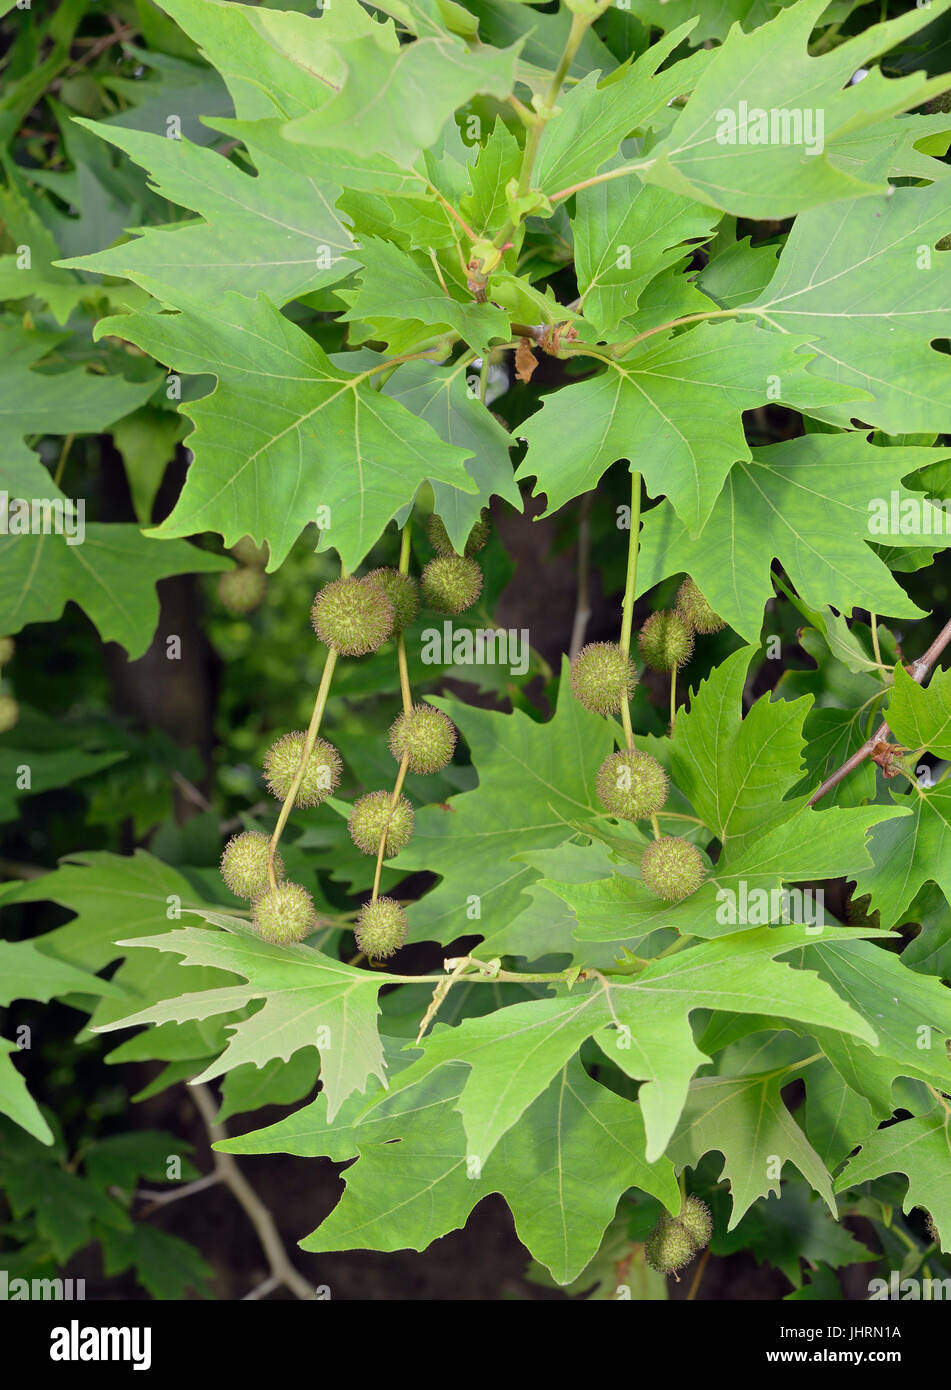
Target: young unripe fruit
<point x="242" y="590"/>
<point x="7" y="649"/>
<point x="427" y="735"/>
<point x="602" y="677"/>
<point x="695" y="611"/>
<point x="451" y="583"/>
<point x="352" y="616"/>
<point x="9" y="713"/>
<point x="401" y="591"/>
<point x="672" y="868"/>
<point x="666" y="640"/>
<point x="244" y="864"/>
<point x="321" y="777"/>
<point x="439" y="536"/>
<point x="631" y="784"/>
<point x="695" y="1219"/>
<point x="669" y="1246"/>
<point x="250" y="554"/>
<point x="369" y="816"/>
<point x="284" y="914"/>
<point x="381" y="928"/>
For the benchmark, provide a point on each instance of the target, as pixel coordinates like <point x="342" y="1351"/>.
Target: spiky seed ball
<point x="244" y="864"/>
<point x="439" y="536"/>
<point x="666" y="640"/>
<point x="669" y="1246"/>
<point x="427" y="735"/>
<point x="451" y="583"/>
<point x="368" y="817"/>
<point x="672" y="868"/>
<point x="9" y="713"/>
<point x="7" y="648"/>
<point x="602" y="676"/>
<point x="631" y="784"/>
<point x="381" y="928"/>
<point x="402" y="593"/>
<point x="695" y="610"/>
<point x="249" y="553"/>
<point x="242" y="590"/>
<point x="284" y="914"/>
<point x="321" y="777"/>
<point x="352" y="616"/>
<point x="695" y="1219"/>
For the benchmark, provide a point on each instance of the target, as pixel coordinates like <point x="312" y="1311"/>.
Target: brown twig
<point x="918" y="670"/>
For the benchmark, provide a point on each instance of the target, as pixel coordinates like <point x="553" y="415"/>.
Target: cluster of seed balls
<point x="676" y="1239"/>
<point x="633" y="785"/>
<point x="354" y="617"/>
<point x="242" y="589"/>
<point x="9" y="709"/>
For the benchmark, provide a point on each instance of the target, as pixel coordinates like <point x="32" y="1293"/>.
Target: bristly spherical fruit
<point x="631" y="784"/>
<point x="439" y="536"/>
<point x="402" y="593"/>
<point x="669" y="1247"/>
<point x="381" y="928"/>
<point x="7" y="648"/>
<point x="602" y="677"/>
<point x="242" y="590"/>
<point x="321" y="777"/>
<point x="666" y="640"/>
<point x="352" y="616"/>
<point x="284" y="914"/>
<point x="694" y="609"/>
<point x="369" y="816"/>
<point x="9" y="713"/>
<point x="451" y="583"/>
<point x="426" y="735"/>
<point x="695" y="1219"/>
<point x="249" y="553"/>
<point x="244" y="864"/>
<point x="672" y="868"/>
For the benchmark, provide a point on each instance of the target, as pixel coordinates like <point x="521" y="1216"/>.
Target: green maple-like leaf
<point x="809" y="503"/>
<point x="26" y="973"/>
<point x="441" y="397"/>
<point x="921" y="718"/>
<point x="561" y="1169"/>
<point x="863" y="281"/>
<point x="592" y="120"/>
<point x="534" y="779"/>
<point x="736" y="770"/>
<point x="910" y="1012"/>
<point x="272" y="233"/>
<point x="673" y="410"/>
<point x="308" y="998"/>
<point x="287" y="433"/>
<point x="642" y="1024"/>
<point x="398" y="295"/>
<point x="835" y="1116"/>
<point x="770" y="70"/>
<point x="626" y="233"/>
<point x="910" y="852"/>
<point x="15" y="1099"/>
<point x="920" y="1147"/>
<point x="746" y="1119"/>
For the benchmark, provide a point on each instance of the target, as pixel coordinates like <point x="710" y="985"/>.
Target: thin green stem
<point x="309" y="740"/>
<point x="397" y="788"/>
<point x="875" y="644"/>
<point x="627" y="604"/>
<point x="673" y="698"/>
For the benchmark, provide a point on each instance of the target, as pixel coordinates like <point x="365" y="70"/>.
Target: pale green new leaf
<point x="910" y="852"/>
